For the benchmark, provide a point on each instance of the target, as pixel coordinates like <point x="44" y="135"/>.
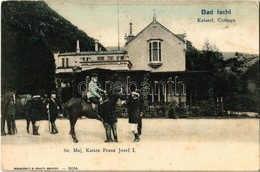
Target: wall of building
<point x="172" y="50"/>
<point x="92" y="60"/>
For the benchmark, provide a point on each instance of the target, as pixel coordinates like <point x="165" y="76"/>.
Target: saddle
<point x="86" y="99"/>
<point x="25" y="98"/>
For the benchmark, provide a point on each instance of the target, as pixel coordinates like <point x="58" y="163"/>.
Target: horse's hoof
<point x="3" y="134"/>
<point x="75" y="140"/>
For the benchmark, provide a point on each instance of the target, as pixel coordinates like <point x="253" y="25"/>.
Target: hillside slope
<point x="25" y="26"/>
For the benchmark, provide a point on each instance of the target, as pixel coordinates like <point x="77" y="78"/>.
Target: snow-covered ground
<point x="166" y="144"/>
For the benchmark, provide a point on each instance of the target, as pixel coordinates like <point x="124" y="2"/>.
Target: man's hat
<point x="94" y="75"/>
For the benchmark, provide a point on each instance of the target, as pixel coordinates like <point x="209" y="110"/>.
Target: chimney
<point x="130" y="28"/>
<point x="185" y="44"/>
<point x="96" y="45"/>
<point x="77" y="49"/>
<point x="125" y="38"/>
<point x="154" y="16"/>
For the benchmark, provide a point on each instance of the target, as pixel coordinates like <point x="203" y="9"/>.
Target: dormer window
<point x="155" y="52"/>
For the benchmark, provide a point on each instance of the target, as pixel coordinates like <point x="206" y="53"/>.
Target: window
<point x="155" y="50"/>
<point x="110" y="58"/>
<point x="100" y="58"/>
<point x="67" y="62"/>
<point x="82" y="59"/>
<point x="63" y="62"/>
<point x="120" y="57"/>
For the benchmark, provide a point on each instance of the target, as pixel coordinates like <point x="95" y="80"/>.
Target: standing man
<point x="92" y="93"/>
<point x="107" y="113"/>
<point x="53" y="111"/>
<point x="11" y="116"/>
<point x="37" y="112"/>
<point x="134" y="113"/>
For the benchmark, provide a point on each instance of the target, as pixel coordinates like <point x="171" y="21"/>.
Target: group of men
<point x="41" y="106"/>
<point x="34" y="108"/>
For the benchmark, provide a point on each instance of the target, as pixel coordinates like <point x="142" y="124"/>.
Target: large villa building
<point x="155" y="53"/>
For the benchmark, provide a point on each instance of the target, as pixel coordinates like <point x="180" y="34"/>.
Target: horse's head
<point x="117" y="93"/>
<point x="8" y="96"/>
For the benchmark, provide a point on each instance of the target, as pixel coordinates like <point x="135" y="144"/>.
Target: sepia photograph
<point x="130" y="85"/>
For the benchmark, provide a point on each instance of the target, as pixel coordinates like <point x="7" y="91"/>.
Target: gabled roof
<point x="179" y="36"/>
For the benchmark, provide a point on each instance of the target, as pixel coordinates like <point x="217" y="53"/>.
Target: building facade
<point x="155" y="56"/>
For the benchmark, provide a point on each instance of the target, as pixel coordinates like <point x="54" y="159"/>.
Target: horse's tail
<point x="65" y="110"/>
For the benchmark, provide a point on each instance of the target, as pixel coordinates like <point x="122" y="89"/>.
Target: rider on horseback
<point x="92" y="93"/>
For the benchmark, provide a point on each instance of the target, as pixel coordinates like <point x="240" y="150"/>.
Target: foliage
<point x="30" y="32"/>
<point x="226" y="78"/>
<point x="171" y="109"/>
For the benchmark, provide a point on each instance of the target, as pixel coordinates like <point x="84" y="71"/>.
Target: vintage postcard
<point x="124" y="85"/>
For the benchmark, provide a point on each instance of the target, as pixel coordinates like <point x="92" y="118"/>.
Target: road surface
<point x="166" y="144"/>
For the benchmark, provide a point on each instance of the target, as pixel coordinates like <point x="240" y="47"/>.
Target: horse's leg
<point x="3" y="126"/>
<point x="27" y="125"/>
<point x="73" y="121"/>
<point x="139" y="127"/>
<point x="35" y="128"/>
<point x="9" y="125"/>
<point x="33" y="123"/>
<point x="13" y="126"/>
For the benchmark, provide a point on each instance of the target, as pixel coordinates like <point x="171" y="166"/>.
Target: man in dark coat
<point x="134" y="113"/>
<point x="53" y="111"/>
<point x="107" y="112"/>
<point x="11" y="118"/>
<point x="37" y="112"/>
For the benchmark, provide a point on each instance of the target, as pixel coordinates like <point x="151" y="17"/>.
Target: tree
<point x="226" y="78"/>
<point x="37" y="68"/>
<point x="30" y="30"/>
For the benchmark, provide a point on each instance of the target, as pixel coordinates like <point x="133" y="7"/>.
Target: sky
<point x="99" y="19"/>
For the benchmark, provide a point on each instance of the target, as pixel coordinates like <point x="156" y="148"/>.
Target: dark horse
<point x="23" y="107"/>
<point x="8" y="112"/>
<point x="78" y="107"/>
<point x="39" y="111"/>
